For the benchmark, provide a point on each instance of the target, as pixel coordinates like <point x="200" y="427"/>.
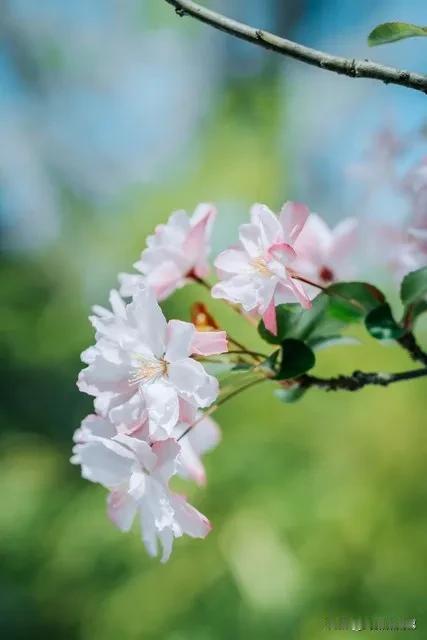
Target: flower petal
<point x="192" y="382"/>
<point x="293" y="216"/>
<point x="209" y="343"/>
<point x="233" y="261"/>
<point x="268" y="222"/>
<point x="191" y="521"/>
<point x="104" y="461"/>
<point x="145" y="313"/>
<point x="162" y="404"/>
<point x="269" y="317"/>
<point x="179" y="338"/>
<point x="121" y="509"/>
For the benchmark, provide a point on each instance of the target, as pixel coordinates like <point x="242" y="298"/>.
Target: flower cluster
<point x="148" y="390"/>
<point x="152" y="393"/>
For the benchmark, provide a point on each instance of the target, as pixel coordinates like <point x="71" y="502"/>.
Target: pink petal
<point x="195" y="242"/>
<point x="121" y="509"/>
<point x="269" y="318"/>
<point x="192" y="522"/>
<point x="282" y="252"/>
<point x="300" y="294"/>
<point x="292" y="218"/>
<point x="209" y="343"/>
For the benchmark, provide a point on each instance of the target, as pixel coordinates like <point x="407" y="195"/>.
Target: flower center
<point x="326" y="274"/>
<point x="260" y="265"/>
<point x="148" y="371"/>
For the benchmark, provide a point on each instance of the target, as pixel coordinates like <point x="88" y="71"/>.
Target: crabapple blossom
<point x="258" y="274"/>
<point x="137" y="476"/>
<point x="176" y="251"/>
<point x="323" y="253"/>
<point x="140" y="367"/>
<point x="201" y="438"/>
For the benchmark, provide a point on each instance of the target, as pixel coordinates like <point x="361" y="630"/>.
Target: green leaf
<point x="352" y="301"/>
<point x="393" y="31"/>
<point x="414" y="287"/>
<point x="242" y="366"/>
<point x="290" y="395"/>
<point x="270" y="364"/>
<point x="287" y="318"/>
<point x="295" y="322"/>
<point x="321" y="342"/>
<point x="297" y="358"/>
<point x="381" y="324"/>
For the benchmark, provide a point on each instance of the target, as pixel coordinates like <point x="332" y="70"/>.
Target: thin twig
<point x="255" y="354"/>
<point x="358" y="380"/>
<point x="220" y="402"/>
<point x="345" y="66"/>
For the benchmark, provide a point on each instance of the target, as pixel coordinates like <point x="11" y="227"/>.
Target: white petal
<point x="162" y="405"/>
<point x="94" y="425"/>
<point x="145" y="313"/>
<point x="141" y="449"/>
<point x="292" y="217"/>
<point x="179" y="337"/>
<point x="189" y="462"/>
<point x="105" y="462"/>
<point x="205" y="435"/>
<point x="166" y="539"/>
<point x="167" y="452"/>
<point x="191" y="521"/>
<point x="130" y="283"/>
<point x="121" y="509"/>
<point x="250" y="236"/>
<point x="267" y="221"/>
<point x="192" y="382"/>
<point x="233" y="261"/>
<point x="240" y="289"/>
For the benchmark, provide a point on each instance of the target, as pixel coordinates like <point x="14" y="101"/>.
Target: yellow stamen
<point x="148" y="371"/>
<point x="260" y="264"/>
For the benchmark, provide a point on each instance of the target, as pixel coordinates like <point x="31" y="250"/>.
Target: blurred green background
<point x="319" y="508"/>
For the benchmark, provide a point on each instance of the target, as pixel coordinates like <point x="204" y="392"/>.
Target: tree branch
<point x="345" y="66"/>
<point x="358" y="380"/>
<point x="409" y="343"/>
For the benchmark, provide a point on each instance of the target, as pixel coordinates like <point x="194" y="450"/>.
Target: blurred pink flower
<point x="324" y="255"/>
<point x="402" y="251"/>
<point x="415" y="186"/>
<point x="258" y="273"/>
<point x="177" y="251"/>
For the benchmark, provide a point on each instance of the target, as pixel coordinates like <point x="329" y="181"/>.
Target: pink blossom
<point x="137" y="476"/>
<point x="324" y="255"/>
<point x="141" y="367"/>
<point x="258" y="274"/>
<point x="402" y="251"/>
<point x="176" y="251"/>
<point x="415" y="186"/>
